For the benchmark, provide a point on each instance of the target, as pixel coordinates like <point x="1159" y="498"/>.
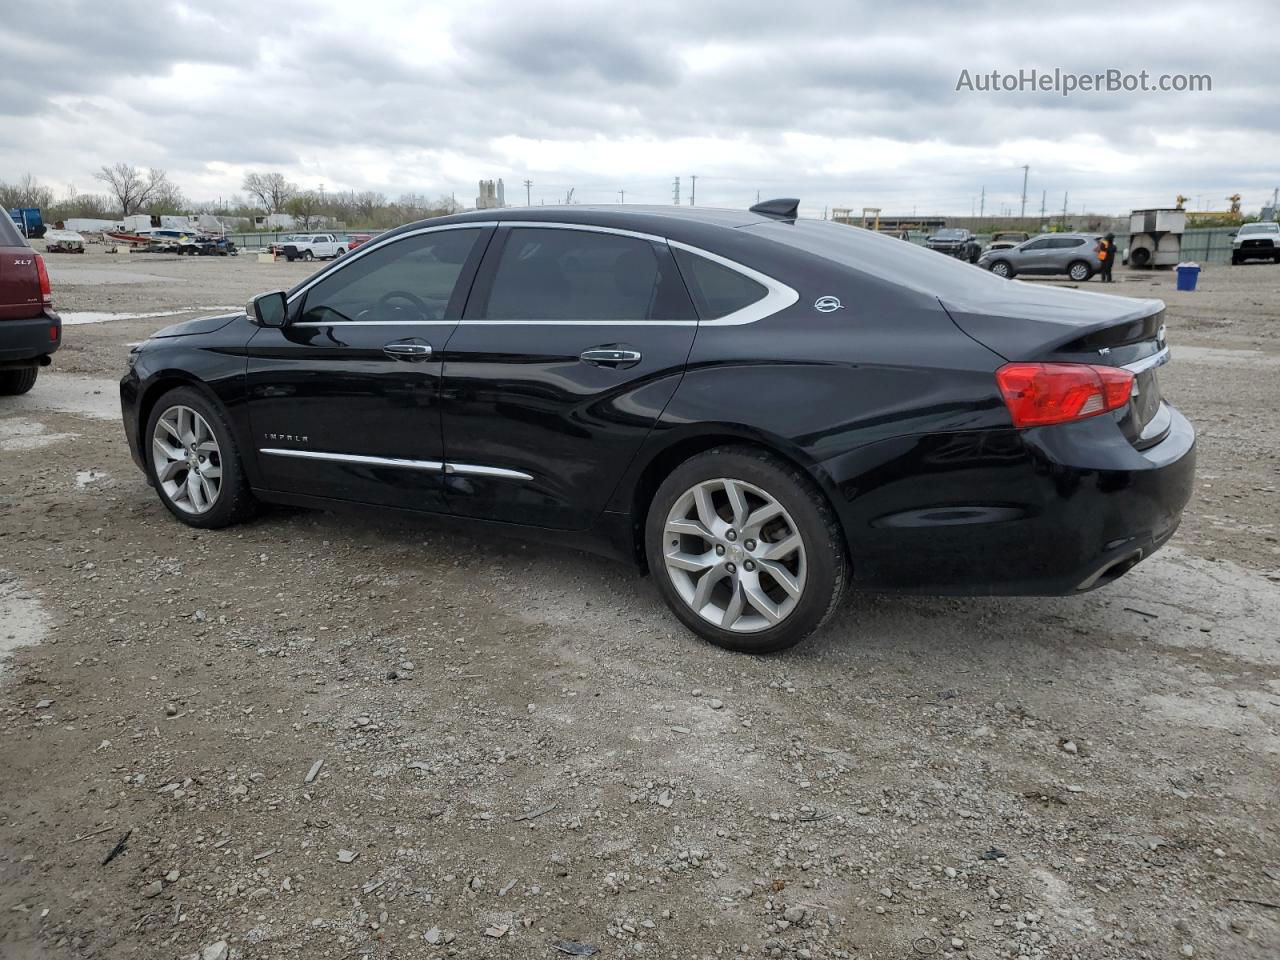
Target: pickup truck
<point x="313" y="246"/>
<point x="29" y="329"/>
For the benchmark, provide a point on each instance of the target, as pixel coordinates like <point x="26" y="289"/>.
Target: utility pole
<point x="528" y="186"/>
<point x="1025" y="170"/>
<point x="1044" y="196"/>
<point x="622" y="196"/>
<point x="1064" y="211"/>
<point x="758" y="197"/>
<point x="675" y="191"/>
<point x="982" y="204"/>
<point x="693" y="190"/>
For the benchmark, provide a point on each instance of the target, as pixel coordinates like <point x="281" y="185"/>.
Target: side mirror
<point x="269" y="309"/>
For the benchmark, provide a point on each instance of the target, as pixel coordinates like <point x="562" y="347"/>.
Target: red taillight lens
<point x="46" y="291"/>
<point x="1038" y="394"/>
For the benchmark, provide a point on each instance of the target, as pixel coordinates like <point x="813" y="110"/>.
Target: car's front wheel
<point x="194" y="463"/>
<point x="745" y="549"/>
<point x="308" y="256"/>
<point x="1002" y="268"/>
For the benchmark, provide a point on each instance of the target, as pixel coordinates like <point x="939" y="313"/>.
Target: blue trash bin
<point x="1188" y="273"/>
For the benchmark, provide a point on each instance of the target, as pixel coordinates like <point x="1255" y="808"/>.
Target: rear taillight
<point x="46" y="291"/>
<point x="1038" y="394"/>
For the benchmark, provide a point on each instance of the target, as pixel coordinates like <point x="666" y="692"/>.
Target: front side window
<point x="717" y="290"/>
<point x="1037" y="245"/>
<point x="407" y="280"/>
<point x="554" y="274"/>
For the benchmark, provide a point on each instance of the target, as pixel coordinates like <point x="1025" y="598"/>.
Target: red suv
<point x="29" y="329"/>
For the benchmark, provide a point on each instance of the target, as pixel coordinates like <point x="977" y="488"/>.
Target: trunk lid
<point x="1030" y="322"/>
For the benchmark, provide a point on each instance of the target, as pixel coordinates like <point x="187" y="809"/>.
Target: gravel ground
<point x="331" y="736"/>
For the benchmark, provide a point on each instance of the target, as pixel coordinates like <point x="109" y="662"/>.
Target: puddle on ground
<point x="23" y="620"/>
<point x="88" y="478"/>
<point x="17" y="435"/>
<point x="68" y="393"/>
<point x="73" y="317"/>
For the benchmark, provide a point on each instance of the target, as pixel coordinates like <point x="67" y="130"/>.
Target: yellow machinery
<point x="1232" y="215"/>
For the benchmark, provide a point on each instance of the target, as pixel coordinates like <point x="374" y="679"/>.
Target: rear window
<point x="717" y="290"/>
<point x="9" y="235"/>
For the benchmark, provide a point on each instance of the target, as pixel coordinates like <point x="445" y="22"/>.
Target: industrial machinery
<point x="1155" y="236"/>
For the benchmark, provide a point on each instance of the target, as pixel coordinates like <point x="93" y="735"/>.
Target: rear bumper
<point x="1050" y="511"/>
<point x="30" y="339"/>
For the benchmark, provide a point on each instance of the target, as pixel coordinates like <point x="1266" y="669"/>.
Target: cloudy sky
<point x="839" y="103"/>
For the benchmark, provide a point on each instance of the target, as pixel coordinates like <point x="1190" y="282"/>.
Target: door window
<point x="554" y="274"/>
<point x="1038" y="244"/>
<point x="408" y="280"/>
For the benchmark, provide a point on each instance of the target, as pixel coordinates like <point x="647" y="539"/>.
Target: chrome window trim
<point x="778" y="295"/>
<point x="1147" y="363"/>
<point x="434" y="466"/>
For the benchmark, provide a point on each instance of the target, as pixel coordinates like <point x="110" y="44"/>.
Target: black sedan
<point x="759" y="410"/>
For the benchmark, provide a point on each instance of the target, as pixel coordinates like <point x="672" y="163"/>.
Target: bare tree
<point x="27" y="192"/>
<point x="272" y="190"/>
<point x="131" y="187"/>
<point x="304" y="207"/>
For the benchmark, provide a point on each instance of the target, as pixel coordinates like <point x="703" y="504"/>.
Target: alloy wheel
<point x="1079" y="271"/>
<point x="187" y="460"/>
<point x="1001" y="269"/>
<point x="734" y="555"/>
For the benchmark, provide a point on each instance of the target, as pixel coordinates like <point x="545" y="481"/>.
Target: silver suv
<point x="1075" y="254"/>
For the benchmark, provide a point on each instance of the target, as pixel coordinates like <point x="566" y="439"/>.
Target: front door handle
<point x="404" y="350"/>
<point x="611" y="356"/>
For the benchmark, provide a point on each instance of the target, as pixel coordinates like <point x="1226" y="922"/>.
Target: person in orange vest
<point x="1107" y="256"/>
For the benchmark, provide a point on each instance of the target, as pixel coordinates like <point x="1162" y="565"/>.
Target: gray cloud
<point x="840" y="104"/>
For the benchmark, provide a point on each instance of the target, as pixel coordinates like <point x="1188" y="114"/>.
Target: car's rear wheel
<point x="745" y="549"/>
<point x="15" y="382"/>
<point x="1079" y="271"/>
<point x="194" y="463"/>
<point x="308" y="256"/>
<point x="1002" y="268"/>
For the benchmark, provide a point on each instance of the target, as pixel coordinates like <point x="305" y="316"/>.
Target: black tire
<point x="19" y="381"/>
<point x="1003" y="268"/>
<point x="1077" y="266"/>
<point x="339" y="253"/>
<point x="308" y="256"/>
<point x="290" y="258"/>
<point x="826" y="564"/>
<point x="1140" y="257"/>
<point x="235" y="501"/>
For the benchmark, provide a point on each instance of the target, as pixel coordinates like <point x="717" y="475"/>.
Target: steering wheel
<point x="385" y="300"/>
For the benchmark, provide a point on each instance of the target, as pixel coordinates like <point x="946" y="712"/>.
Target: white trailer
<point x="1155" y="237"/>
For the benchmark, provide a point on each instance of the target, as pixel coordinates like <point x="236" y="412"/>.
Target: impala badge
<point x="827" y="304"/>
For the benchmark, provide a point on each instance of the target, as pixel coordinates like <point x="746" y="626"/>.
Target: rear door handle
<point x="612" y="356"/>
<point x="402" y="350"/>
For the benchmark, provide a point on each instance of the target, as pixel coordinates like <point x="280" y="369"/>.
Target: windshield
<point x="1260" y="228"/>
<point x="949" y="234"/>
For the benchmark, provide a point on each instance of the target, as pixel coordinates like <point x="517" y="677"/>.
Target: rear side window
<point x="717" y="290"/>
<point x="577" y="275"/>
<point x="410" y="279"/>
<point x="1062" y="243"/>
<point x="9" y="234"/>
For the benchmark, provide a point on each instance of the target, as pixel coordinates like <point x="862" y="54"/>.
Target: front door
<point x="344" y="400"/>
<point x="572" y="344"/>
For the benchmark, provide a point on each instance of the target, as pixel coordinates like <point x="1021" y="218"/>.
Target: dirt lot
<point x="521" y="747"/>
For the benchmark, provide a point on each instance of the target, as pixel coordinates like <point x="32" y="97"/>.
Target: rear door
<point x="572" y="343"/>
<point x="344" y="401"/>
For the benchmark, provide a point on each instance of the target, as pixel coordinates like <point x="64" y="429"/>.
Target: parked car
<point x="758" y="409"/>
<point x="1073" y="254"/>
<point x="355" y="239"/>
<point x="1006" y="239"/>
<point x="955" y="242"/>
<point x="30" y="331"/>
<point x="1256" y="241"/>
<point x="314" y="246"/>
